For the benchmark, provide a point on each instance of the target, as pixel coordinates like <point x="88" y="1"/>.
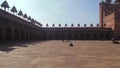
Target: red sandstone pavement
<point x="58" y="54"/>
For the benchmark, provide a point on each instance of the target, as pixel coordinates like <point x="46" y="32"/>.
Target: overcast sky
<point x="60" y="11"/>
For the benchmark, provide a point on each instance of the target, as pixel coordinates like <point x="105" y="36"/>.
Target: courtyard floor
<point x="58" y="54"/>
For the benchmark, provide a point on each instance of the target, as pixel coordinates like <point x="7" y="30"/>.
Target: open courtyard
<point x="58" y="54"/>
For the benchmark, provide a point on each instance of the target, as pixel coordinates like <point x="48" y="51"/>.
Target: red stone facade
<point x="110" y="16"/>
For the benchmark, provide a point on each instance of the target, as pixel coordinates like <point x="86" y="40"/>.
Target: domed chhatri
<point x="29" y="18"/>
<point x="20" y="13"/>
<point x="5" y="5"/>
<point x="25" y="15"/>
<point x="14" y="10"/>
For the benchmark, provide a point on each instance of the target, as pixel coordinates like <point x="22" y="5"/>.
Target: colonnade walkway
<point x="58" y="54"/>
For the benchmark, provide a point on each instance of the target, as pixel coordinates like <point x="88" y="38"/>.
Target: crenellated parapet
<point x="72" y="25"/>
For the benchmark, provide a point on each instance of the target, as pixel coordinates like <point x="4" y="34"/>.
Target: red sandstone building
<point x="110" y="16"/>
<point x="18" y="26"/>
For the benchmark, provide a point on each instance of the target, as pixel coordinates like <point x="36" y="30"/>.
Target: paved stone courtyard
<point x="58" y="54"/>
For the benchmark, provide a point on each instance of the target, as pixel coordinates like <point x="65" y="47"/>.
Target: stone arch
<point x="8" y="33"/>
<point x="44" y="36"/>
<point x="22" y="35"/>
<point x="70" y="36"/>
<point x="81" y="36"/>
<point x="88" y="36"/>
<point x="27" y="36"/>
<point x="16" y="34"/>
<point x="56" y="36"/>
<point x="101" y="36"/>
<point x="31" y="35"/>
<point x="59" y="36"/>
<point x="75" y="36"/>
<point x="108" y="36"/>
<point x="0" y="33"/>
<point x="49" y="36"/>
<point x="95" y="36"/>
<point x="63" y="36"/>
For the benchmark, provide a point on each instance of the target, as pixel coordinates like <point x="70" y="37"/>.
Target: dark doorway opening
<point x="22" y="35"/>
<point x="0" y="34"/>
<point x="8" y="33"/>
<point x="16" y="34"/>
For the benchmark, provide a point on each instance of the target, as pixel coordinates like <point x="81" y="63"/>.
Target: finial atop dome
<point x="5" y="5"/>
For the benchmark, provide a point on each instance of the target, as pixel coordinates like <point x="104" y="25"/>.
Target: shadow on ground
<point x="10" y="46"/>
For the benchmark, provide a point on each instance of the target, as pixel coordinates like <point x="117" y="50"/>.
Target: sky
<point x="59" y="11"/>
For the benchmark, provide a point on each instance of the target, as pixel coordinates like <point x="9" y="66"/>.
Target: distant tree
<point x="13" y="10"/>
<point x="20" y="13"/>
<point x="5" y="5"/>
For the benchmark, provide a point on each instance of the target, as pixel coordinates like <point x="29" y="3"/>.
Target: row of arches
<point x="0" y="33"/>
<point x="77" y="36"/>
<point x="18" y="34"/>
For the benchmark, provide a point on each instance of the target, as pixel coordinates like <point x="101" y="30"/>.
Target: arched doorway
<point x="8" y="33"/>
<point x="108" y="36"/>
<point x="76" y="37"/>
<point x="22" y="35"/>
<point x="95" y="37"/>
<point x="88" y="36"/>
<point x="63" y="36"/>
<point x="0" y="34"/>
<point x="69" y="36"/>
<point x="56" y="36"/>
<point x="101" y="36"/>
<point x="27" y="36"/>
<point x="31" y="35"/>
<point x="81" y="36"/>
<point x="16" y="34"/>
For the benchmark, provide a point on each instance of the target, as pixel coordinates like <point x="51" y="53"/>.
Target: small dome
<point x="14" y="10"/>
<point x="5" y="5"/>
<point x="25" y="15"/>
<point x="20" y="13"/>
